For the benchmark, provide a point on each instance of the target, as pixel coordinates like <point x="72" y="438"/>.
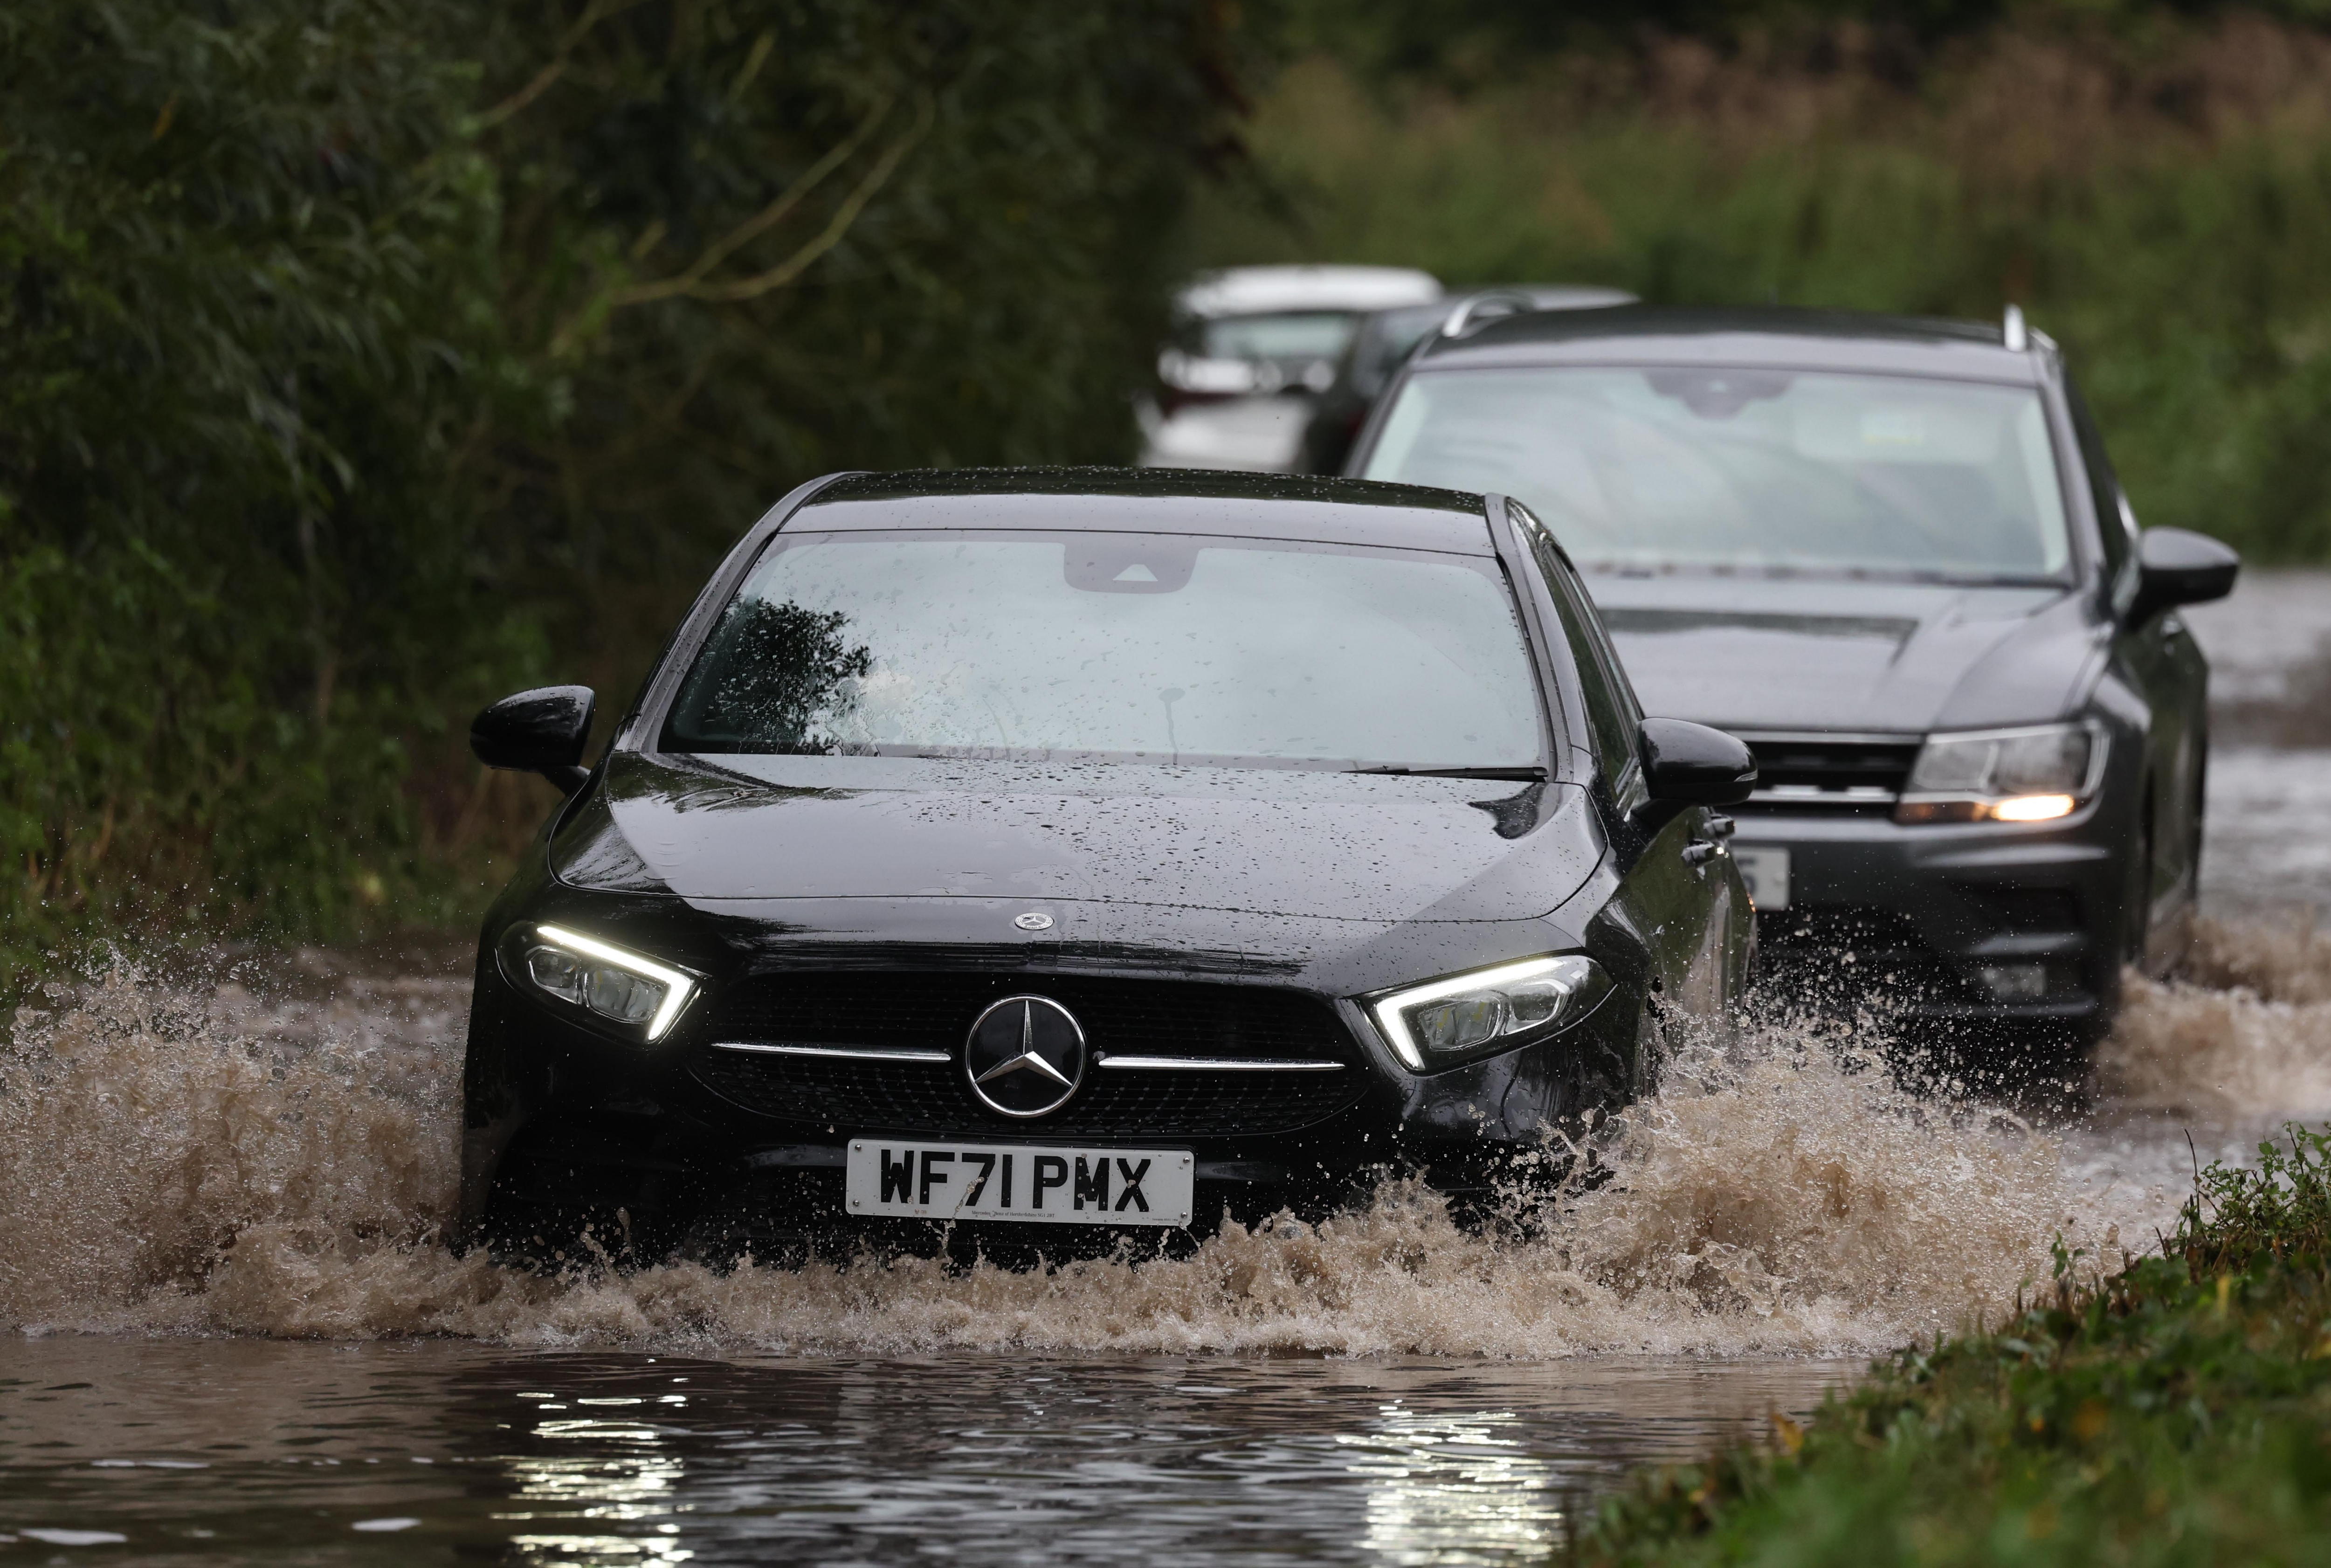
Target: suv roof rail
<point x="1486" y="306"/>
<point x="2012" y="332"/>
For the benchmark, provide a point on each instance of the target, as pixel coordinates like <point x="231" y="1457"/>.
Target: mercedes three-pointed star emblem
<point x="1025" y="1056"/>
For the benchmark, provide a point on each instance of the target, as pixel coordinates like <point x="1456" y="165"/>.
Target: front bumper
<point x="1909" y="918"/>
<point x="652" y="1147"/>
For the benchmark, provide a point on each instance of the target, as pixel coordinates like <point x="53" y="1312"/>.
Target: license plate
<point x="1061" y="1186"/>
<point x="1765" y="869"/>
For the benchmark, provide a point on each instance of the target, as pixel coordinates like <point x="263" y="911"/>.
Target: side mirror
<point x="540" y="731"/>
<point x="2175" y="567"/>
<point x="1690" y="764"/>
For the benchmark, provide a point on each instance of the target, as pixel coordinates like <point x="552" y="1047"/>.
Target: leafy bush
<point x="361" y="360"/>
<point x="2280" y="1214"/>
<point x="246" y="301"/>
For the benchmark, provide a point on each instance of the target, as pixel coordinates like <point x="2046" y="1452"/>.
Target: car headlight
<point x="1445" y="1021"/>
<point x="606" y="980"/>
<point x="2007" y="775"/>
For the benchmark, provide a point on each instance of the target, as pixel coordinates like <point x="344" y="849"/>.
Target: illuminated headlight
<point x="606" y="980"/>
<point x="2005" y="775"/>
<point x="1444" y="1021"/>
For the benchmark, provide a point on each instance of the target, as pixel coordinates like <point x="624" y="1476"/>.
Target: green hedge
<point x="361" y="360"/>
<point x="2163" y="208"/>
<point x="245" y="306"/>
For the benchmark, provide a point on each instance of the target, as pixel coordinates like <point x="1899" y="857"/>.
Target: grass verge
<point x="2179" y="1413"/>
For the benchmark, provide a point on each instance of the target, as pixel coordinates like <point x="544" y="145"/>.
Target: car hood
<point x="1791" y="654"/>
<point x="1268" y="841"/>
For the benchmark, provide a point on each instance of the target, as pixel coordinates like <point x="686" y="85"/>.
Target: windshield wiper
<point x="1532" y="774"/>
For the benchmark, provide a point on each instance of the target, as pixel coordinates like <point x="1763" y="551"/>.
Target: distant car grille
<point x="2026" y="909"/>
<point x="1832" y="773"/>
<point x="1851" y="952"/>
<point x="1149" y="1018"/>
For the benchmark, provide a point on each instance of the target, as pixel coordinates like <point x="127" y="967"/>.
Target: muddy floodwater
<point x="403" y="1450"/>
<point x="229" y="1332"/>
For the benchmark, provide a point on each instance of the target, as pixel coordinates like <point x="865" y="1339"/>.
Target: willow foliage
<point x="360" y="358"/>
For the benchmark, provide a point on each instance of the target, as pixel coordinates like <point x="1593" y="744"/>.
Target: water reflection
<point x="606" y="1485"/>
<point x="1458" y="1488"/>
<point x="320" y="1449"/>
<point x="564" y="1494"/>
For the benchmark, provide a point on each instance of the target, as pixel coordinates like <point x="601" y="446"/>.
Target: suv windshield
<point x="1116" y="647"/>
<point x="1755" y="470"/>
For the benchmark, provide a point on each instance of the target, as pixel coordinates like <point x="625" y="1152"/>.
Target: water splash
<point x="2288" y="960"/>
<point x="2242" y="1035"/>
<point x="197" y="1159"/>
<point x="146" y="1128"/>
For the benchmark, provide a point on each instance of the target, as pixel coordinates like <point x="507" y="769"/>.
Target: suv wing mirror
<point x="540" y="731"/>
<point x="1691" y="764"/>
<point x="2176" y="567"/>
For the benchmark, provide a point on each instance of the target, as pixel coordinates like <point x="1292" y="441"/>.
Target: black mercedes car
<point x="1889" y="555"/>
<point x="1078" y="848"/>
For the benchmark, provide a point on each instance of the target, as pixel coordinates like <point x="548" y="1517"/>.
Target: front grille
<point x="1851" y="773"/>
<point x="1121" y="1018"/>
<point x="2027" y="910"/>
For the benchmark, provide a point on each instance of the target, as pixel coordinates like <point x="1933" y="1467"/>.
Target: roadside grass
<point x="2178" y="1411"/>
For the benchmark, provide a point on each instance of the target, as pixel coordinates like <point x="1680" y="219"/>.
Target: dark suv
<point x="1891" y="556"/>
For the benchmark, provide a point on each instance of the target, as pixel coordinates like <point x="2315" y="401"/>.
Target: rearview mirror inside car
<point x="1691" y="764"/>
<point x="2176" y="567"/>
<point x="540" y="731"/>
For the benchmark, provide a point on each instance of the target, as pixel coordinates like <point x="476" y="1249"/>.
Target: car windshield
<point x="1282" y="334"/>
<point x="1749" y="469"/>
<point x="1116" y="647"/>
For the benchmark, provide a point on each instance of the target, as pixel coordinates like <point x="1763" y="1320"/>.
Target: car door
<point x="2160" y="661"/>
<point x="1675" y="884"/>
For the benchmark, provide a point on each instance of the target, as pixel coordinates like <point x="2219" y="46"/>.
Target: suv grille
<point x="1851" y="952"/>
<point x="1153" y="1018"/>
<point x="1853" y="772"/>
<point x="2027" y="909"/>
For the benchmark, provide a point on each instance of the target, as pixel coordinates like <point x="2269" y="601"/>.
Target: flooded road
<point x="2268" y="827"/>
<point x="231" y="1334"/>
<point x="407" y="1452"/>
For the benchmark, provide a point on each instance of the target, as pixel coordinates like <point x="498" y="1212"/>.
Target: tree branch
<point x="593" y="14"/>
<point x="793" y="266"/>
<point x="759" y="223"/>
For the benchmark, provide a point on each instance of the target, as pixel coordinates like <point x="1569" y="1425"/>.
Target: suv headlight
<point x="602" y="978"/>
<point x="1443" y="1023"/>
<point x="2008" y="776"/>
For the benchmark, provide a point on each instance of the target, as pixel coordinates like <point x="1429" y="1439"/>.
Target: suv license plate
<point x="915" y="1180"/>
<point x="1765" y="869"/>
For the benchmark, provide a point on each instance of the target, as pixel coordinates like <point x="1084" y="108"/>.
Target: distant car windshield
<point x="1282" y="334"/>
<point x="1391" y="338"/>
<point x="1116" y="647"/>
<point x="1748" y="470"/>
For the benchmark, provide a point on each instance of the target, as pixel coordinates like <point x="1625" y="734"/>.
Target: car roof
<point x="1558" y="296"/>
<point x="1840" y="340"/>
<point x="1230" y="505"/>
<point x="1244" y="291"/>
<point x="1546" y="296"/>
